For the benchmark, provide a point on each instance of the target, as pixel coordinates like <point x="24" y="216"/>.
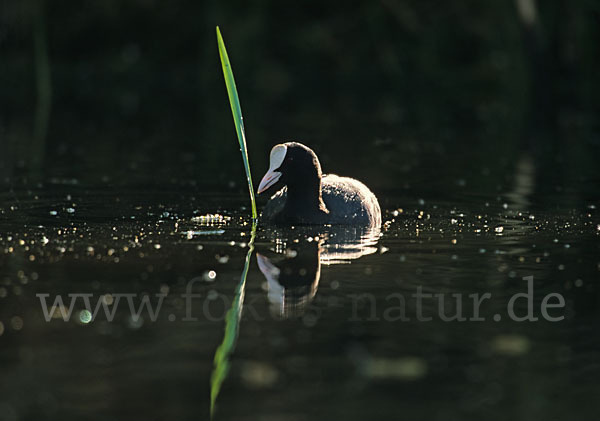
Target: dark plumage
<point x="309" y="197"/>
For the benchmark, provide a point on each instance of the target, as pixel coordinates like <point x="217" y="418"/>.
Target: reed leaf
<point x="236" y="110"/>
<point x="232" y="326"/>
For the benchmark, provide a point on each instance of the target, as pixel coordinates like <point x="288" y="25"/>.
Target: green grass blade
<point x="232" y="326"/>
<point x="236" y="110"/>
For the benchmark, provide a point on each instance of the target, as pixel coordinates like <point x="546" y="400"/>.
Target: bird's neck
<point x="305" y="197"/>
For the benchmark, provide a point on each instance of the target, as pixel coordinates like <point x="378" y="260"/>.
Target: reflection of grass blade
<point x="236" y="110"/>
<point x="232" y="324"/>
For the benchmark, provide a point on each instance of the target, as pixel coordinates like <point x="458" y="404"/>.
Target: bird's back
<point x="349" y="202"/>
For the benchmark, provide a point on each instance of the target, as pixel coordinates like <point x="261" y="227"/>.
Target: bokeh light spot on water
<point x="258" y="375"/>
<point x="211" y="219"/>
<point x="135" y="322"/>
<point x="192" y="233"/>
<point x="209" y="275"/>
<point x="403" y="368"/>
<point x="510" y="344"/>
<point x="85" y="316"/>
<point x="16" y="323"/>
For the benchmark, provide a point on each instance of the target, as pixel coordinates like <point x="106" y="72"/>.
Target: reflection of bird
<point x="292" y="281"/>
<point x="311" y="198"/>
<point x="293" y="274"/>
<point x="342" y="244"/>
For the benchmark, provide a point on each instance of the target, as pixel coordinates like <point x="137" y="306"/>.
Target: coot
<point x="309" y="197"/>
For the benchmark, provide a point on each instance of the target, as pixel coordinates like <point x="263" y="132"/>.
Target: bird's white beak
<point x="276" y="293"/>
<point x="270" y="178"/>
<point x="276" y="159"/>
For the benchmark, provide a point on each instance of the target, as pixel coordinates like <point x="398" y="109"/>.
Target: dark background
<point x="131" y="92"/>
<point x="476" y="123"/>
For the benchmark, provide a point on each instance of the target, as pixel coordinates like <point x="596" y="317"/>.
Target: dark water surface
<point x="323" y="330"/>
